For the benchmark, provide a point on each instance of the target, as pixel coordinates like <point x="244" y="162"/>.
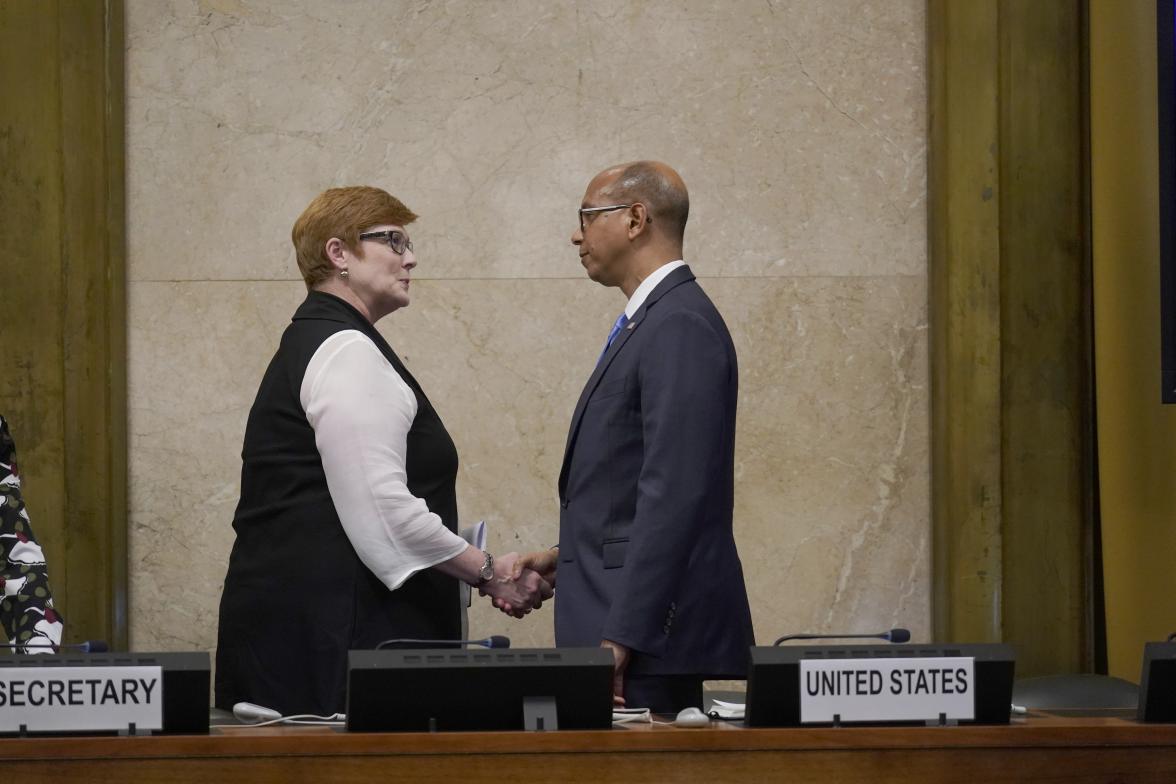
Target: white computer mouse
<point x="692" y="717"/>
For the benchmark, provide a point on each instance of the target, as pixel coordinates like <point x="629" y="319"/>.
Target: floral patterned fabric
<point x="26" y="611"/>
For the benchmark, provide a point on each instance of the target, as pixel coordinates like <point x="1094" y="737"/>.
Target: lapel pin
<point x="631" y="325"/>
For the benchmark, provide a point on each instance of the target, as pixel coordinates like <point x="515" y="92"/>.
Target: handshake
<point x="521" y="582"/>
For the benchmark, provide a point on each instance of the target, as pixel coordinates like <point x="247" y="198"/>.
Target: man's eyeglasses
<point x="594" y="211"/>
<point x="395" y="240"/>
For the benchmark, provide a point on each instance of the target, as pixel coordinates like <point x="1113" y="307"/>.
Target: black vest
<point x="297" y="597"/>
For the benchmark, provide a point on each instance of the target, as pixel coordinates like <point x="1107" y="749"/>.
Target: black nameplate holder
<point x="1157" y="683"/>
<point x="774" y="683"/>
<point x="185" y="679"/>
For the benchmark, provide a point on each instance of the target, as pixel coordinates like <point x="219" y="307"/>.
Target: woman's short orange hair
<point x="342" y="213"/>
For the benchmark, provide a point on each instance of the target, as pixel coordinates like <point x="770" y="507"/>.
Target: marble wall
<point x="799" y="127"/>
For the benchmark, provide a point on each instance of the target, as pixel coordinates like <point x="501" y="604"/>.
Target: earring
<point x="343" y="273"/>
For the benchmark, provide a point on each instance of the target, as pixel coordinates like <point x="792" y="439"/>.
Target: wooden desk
<point x="1039" y="748"/>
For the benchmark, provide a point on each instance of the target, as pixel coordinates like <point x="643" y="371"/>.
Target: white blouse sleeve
<point x="361" y="411"/>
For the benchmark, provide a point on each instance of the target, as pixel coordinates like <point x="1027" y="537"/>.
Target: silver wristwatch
<point x="486" y="573"/>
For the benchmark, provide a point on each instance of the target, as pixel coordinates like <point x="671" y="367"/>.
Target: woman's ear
<point x="336" y="253"/>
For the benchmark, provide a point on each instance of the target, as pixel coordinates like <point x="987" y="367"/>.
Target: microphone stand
<point x="894" y="635"/>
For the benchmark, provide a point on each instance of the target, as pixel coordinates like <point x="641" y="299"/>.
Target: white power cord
<point x="334" y="720"/>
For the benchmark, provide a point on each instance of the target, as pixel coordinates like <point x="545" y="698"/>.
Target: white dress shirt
<point x="649" y="284"/>
<point x="361" y="411"/>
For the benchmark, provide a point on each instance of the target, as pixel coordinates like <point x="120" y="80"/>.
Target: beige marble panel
<point x="197" y="352"/>
<point x="798" y="125"/>
<point x="832" y="507"/>
<point x="832" y="511"/>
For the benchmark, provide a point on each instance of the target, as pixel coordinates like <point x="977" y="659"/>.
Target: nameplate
<point x="914" y="689"/>
<point x="69" y="699"/>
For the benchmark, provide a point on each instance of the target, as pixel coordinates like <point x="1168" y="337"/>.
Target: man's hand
<point x="621" y="654"/>
<point x="527" y="569"/>
<point x="541" y="561"/>
<point x="513" y="595"/>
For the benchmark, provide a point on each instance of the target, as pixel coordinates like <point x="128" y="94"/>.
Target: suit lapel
<point x="594" y="380"/>
<point x="678" y="276"/>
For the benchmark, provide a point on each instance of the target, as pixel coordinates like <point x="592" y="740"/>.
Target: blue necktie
<point x="612" y="335"/>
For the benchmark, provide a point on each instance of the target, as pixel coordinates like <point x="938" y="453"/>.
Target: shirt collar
<point x="649" y="284"/>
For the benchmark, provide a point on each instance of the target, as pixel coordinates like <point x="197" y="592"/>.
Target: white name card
<point x="66" y="699"/>
<point x="887" y="689"/>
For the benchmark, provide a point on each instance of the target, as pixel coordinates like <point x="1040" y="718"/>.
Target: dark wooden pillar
<point x="1009" y="288"/>
<point x="63" y="295"/>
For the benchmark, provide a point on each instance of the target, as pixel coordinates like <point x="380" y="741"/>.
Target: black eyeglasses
<point x="395" y="240"/>
<point x="594" y="211"/>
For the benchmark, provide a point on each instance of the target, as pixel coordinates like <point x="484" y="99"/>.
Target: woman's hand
<point x="513" y="595"/>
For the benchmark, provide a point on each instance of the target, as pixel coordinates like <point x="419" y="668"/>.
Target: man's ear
<point x="638" y="218"/>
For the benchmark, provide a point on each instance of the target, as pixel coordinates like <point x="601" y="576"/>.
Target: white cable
<point x="334" y="720"/>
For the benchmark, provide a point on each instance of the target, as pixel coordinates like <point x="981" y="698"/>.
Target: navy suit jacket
<point x="646" y="553"/>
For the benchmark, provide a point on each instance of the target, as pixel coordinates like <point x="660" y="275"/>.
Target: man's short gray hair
<point x="667" y="201"/>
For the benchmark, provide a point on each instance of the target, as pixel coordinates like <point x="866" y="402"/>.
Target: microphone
<point x="894" y="635"/>
<point x="248" y="713"/>
<point x="89" y="646"/>
<point x="494" y="641"/>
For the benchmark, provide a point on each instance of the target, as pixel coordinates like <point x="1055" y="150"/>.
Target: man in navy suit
<point x="646" y="561"/>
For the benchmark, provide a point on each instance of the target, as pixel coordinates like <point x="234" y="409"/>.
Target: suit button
<point x="666" y="628"/>
<point x="563" y="504"/>
<point x="673" y="606"/>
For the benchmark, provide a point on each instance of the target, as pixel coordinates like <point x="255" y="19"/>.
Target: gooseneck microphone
<point x="894" y="635"/>
<point x="495" y="641"/>
<point x="89" y="646"/>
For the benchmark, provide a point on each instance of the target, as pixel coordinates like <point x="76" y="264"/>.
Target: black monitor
<point x="1166" y="118"/>
<point x="1157" y="683"/>
<point x="773" y="680"/>
<point x="446" y="690"/>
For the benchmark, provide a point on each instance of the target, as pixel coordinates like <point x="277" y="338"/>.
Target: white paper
<point x="64" y="699"/>
<point x="475" y="535"/>
<point x="910" y="689"/>
<point x="728" y="710"/>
